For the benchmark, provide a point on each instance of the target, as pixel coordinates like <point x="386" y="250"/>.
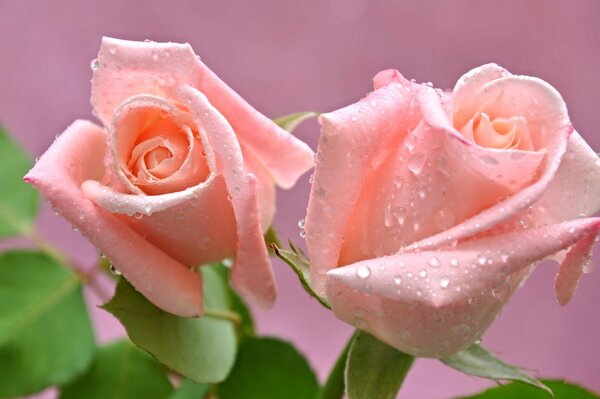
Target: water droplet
<point x="301" y="223"/>
<point x="502" y="291"/>
<point x="102" y="255"/>
<point x="397" y="279"/>
<point x="434" y="262"/>
<point x="409" y="142"/>
<point x="418" y="292"/>
<point x="74" y="228"/>
<point x="454" y="262"/>
<point x="429" y="84"/>
<point x="400" y="214"/>
<point x="148" y="208"/>
<point x="416" y="162"/>
<point x="504" y="256"/>
<point x="94" y="64"/>
<point x="444" y="282"/>
<point x="311" y="178"/>
<point x="302" y="233"/>
<point x="423" y="273"/>
<point x="114" y="270"/>
<point x="138" y="215"/>
<point x="354" y="118"/>
<point x="481" y="259"/>
<point x="363" y="271"/>
<point x="55" y="212"/>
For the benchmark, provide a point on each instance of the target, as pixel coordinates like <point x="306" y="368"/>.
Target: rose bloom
<point x="430" y="208"/>
<point x="181" y="174"/>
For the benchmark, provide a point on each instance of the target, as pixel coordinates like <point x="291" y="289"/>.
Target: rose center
<point x="499" y="132"/>
<point x="159" y="151"/>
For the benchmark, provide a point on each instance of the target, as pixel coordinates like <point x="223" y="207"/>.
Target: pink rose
<point x="183" y="173"/>
<point x="429" y="208"/>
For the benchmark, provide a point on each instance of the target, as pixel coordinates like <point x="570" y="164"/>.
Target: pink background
<point x="288" y="56"/>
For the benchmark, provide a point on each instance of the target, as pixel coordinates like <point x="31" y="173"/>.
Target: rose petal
<point x="465" y="102"/>
<point x="428" y="184"/>
<point x="545" y="112"/>
<point x="266" y="188"/>
<point x="76" y="156"/>
<point x="251" y="273"/>
<point x="575" y="190"/>
<point x="126" y="68"/>
<point x="353" y="140"/>
<point x="429" y="303"/>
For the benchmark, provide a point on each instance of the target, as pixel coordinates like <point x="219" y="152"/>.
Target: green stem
<point x="335" y="385"/>
<point x="223" y="315"/>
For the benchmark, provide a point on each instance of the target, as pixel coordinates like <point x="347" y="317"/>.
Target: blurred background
<point x="319" y="55"/>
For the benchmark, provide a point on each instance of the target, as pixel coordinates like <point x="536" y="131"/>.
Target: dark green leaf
<point x="518" y="390"/>
<point x="374" y="369"/>
<point x="45" y="333"/>
<point x="478" y="362"/>
<point x="291" y="122"/>
<point x="236" y="304"/>
<point x="18" y="200"/>
<point x="269" y="368"/>
<point x="190" y="390"/>
<point x="120" y="370"/>
<point x="299" y="264"/>
<point x="201" y="349"/>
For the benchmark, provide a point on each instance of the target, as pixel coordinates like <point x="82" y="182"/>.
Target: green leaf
<point x="236" y="304"/>
<point x="45" y="333"/>
<point x="120" y="370"/>
<point x="18" y="200"/>
<point x="479" y="362"/>
<point x="201" y="349"/>
<point x="190" y="390"/>
<point x="518" y="390"/>
<point x="269" y="368"/>
<point x="291" y="122"/>
<point x="375" y="369"/>
<point x="300" y="265"/>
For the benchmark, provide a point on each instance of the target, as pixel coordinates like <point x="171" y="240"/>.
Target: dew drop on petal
<point x="481" y="259"/>
<point x="363" y="271"/>
<point x="423" y="273"/>
<point x="416" y="162"/>
<point x="454" y="262"/>
<point x="444" y="282"/>
<point x="301" y="223"/>
<point x="434" y="262"/>
<point x="398" y="280"/>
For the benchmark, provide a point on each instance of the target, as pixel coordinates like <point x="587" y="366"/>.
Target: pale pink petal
<point x="427" y="185"/>
<point x="128" y="68"/>
<point x="195" y="226"/>
<point x="353" y="140"/>
<point x="435" y="303"/>
<point x="78" y="155"/>
<point x="549" y="124"/>
<point x="266" y="189"/>
<point x="251" y="273"/>
<point x="575" y="190"/>
<point x="464" y="98"/>
<point x="573" y="266"/>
